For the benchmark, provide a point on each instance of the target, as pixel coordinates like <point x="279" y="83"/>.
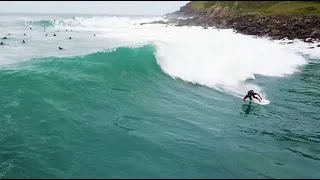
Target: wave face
<point x="46" y="23"/>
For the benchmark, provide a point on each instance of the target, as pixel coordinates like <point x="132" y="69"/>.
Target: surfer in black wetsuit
<point x="1" y="43"/>
<point x="251" y="94"/>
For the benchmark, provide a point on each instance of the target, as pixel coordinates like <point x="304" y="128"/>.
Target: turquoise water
<point x="116" y="114"/>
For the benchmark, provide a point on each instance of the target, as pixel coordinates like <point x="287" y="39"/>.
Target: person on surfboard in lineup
<point x="251" y="94"/>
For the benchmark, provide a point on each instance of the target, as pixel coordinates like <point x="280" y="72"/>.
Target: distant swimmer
<point x="46" y="34"/>
<point x="60" y="48"/>
<point x="251" y="94"/>
<point x="24" y="34"/>
<point x="1" y="43"/>
<point x="23" y="41"/>
<point x="4" y="38"/>
<point x="66" y="29"/>
<point x="54" y="34"/>
<point x="94" y="35"/>
<point x="9" y="34"/>
<point x="30" y="28"/>
<point x="69" y="37"/>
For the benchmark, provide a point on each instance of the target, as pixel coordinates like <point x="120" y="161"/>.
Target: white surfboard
<point x="263" y="101"/>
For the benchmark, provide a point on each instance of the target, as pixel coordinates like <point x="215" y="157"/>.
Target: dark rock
<point x="274" y="32"/>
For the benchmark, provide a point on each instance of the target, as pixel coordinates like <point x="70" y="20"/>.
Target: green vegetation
<point x="264" y="7"/>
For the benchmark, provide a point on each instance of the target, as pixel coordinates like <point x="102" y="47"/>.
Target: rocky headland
<point x="275" y="19"/>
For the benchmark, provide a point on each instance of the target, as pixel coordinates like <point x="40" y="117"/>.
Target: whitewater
<point x="189" y="79"/>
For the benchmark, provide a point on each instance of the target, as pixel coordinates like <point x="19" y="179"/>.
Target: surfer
<point x="1" y="43"/>
<point x="251" y="94"/>
<point x="4" y="38"/>
<point x="69" y="37"/>
<point x="23" y="41"/>
<point x="54" y="34"/>
<point x="60" y="48"/>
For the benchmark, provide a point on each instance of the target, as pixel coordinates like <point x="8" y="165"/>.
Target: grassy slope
<point x="266" y="7"/>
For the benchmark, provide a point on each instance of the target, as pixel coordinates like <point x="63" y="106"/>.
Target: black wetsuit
<point x="250" y="95"/>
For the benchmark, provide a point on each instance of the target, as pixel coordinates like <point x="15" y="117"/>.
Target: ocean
<point x="129" y="101"/>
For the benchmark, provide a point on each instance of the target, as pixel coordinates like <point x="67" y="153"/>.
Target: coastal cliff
<point x="275" y="19"/>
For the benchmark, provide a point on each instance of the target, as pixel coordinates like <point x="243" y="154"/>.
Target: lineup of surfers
<point x="23" y="41"/>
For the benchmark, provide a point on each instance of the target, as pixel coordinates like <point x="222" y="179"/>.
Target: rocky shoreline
<point x="306" y="28"/>
<point x="230" y="15"/>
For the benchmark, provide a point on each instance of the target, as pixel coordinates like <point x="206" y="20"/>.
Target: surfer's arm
<point x="258" y="95"/>
<point x="244" y="99"/>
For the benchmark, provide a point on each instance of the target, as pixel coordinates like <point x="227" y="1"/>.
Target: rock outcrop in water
<point x="275" y="19"/>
